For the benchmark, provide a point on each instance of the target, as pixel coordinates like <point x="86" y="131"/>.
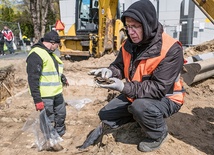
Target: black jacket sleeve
<point x="117" y="66"/>
<point x="34" y="70"/>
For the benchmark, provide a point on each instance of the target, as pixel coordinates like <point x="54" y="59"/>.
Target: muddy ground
<point x="191" y="130"/>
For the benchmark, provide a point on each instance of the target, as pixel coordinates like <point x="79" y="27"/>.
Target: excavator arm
<point x="207" y="7"/>
<point x="108" y="37"/>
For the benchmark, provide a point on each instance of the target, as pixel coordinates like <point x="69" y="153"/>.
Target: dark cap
<point x="52" y="37"/>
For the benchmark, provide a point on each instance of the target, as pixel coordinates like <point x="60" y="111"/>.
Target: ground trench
<point x="6" y="83"/>
<point x="10" y="84"/>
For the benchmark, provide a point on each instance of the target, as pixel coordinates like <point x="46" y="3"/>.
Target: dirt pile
<point x="200" y="49"/>
<point x="190" y="130"/>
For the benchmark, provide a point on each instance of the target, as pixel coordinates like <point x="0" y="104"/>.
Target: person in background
<point x="9" y="38"/>
<point x="151" y="61"/>
<point x="1" y="43"/>
<point x="46" y="80"/>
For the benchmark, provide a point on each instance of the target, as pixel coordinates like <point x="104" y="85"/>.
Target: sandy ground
<point x="191" y="130"/>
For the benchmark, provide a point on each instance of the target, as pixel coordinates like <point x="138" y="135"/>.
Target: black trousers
<point x="56" y="111"/>
<point x="149" y="113"/>
<point x="2" y="48"/>
<point x="9" y="45"/>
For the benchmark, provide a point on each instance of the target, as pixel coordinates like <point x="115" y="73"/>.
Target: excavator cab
<point x="87" y="16"/>
<point x="97" y="29"/>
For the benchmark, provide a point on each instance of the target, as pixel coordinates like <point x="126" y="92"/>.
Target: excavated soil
<point x="191" y="130"/>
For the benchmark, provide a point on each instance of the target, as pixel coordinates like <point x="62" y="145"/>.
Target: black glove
<point x="64" y="80"/>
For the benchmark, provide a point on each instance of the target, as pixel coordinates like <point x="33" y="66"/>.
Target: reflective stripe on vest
<point x="50" y="80"/>
<point x="147" y="66"/>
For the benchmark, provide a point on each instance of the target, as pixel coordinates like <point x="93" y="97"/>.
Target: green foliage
<point x="51" y="19"/>
<point x="24" y="19"/>
<point x="11" y="19"/>
<point x="7" y="14"/>
<point x="7" y="18"/>
<point x="10" y="15"/>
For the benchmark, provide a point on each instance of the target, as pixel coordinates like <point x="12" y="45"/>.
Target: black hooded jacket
<point x="162" y="80"/>
<point x="34" y="70"/>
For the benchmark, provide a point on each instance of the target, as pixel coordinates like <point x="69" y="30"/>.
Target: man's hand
<point x="116" y="85"/>
<point x="105" y="72"/>
<point x="64" y="81"/>
<point x="66" y="84"/>
<point x="40" y="106"/>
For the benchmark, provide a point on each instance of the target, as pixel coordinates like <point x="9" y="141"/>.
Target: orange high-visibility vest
<point x="146" y="67"/>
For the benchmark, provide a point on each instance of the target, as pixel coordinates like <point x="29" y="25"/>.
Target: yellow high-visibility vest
<point x="50" y="80"/>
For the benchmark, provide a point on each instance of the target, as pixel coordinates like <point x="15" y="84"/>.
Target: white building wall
<point x="67" y="12"/>
<point x="202" y="23"/>
<point x="169" y="16"/>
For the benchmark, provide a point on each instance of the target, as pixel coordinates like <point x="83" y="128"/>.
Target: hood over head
<point x="144" y="12"/>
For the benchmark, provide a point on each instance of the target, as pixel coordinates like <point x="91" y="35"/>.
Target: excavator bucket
<point x="201" y="68"/>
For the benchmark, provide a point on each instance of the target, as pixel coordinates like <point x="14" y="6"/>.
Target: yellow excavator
<point x="97" y="29"/>
<point x="206" y="6"/>
<point x="201" y="66"/>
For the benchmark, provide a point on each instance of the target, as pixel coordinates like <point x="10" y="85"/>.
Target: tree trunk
<point x="39" y="10"/>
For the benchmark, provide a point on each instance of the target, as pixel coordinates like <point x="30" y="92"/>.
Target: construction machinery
<point x="200" y="67"/>
<point x="97" y="29"/>
<point x="206" y="6"/>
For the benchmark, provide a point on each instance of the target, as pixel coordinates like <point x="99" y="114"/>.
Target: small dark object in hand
<point x="101" y="80"/>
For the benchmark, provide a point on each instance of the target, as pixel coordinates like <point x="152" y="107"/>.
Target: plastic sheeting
<point x="46" y="137"/>
<point x="79" y="104"/>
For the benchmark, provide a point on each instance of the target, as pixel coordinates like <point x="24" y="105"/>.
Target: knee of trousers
<point x="102" y="114"/>
<point x="105" y="114"/>
<point x="144" y="112"/>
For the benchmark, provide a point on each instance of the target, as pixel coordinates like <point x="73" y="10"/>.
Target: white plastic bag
<point x="14" y="46"/>
<point x="78" y="104"/>
<point x="46" y="137"/>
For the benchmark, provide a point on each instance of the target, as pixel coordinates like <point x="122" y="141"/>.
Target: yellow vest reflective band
<point x="146" y="67"/>
<point x="50" y="80"/>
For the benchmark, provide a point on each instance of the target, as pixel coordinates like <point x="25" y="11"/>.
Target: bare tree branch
<point x="39" y="11"/>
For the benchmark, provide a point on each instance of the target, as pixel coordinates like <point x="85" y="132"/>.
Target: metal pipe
<point x="203" y="76"/>
<point x="200" y="70"/>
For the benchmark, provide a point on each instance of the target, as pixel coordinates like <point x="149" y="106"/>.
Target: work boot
<point x="149" y="144"/>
